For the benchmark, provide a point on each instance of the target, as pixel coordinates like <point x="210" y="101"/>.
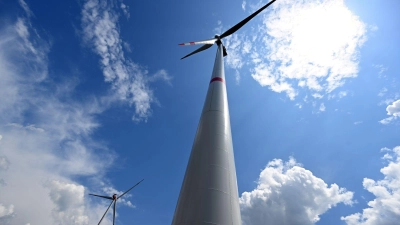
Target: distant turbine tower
<point x="209" y="193"/>
<point x="114" y="199"/>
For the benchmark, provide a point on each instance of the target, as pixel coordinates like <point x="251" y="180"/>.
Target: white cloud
<point x="129" y="80"/>
<point x="311" y="43"/>
<point x="317" y="95"/>
<point x="385" y="208"/>
<point x="68" y="199"/>
<point x="246" y="48"/>
<point x="387" y="121"/>
<point x="386" y="101"/>
<point x="358" y="122"/>
<point x="393" y="110"/>
<point x="233" y="46"/>
<point x="56" y="144"/>
<point x="288" y="194"/>
<point x="262" y="73"/>
<point x="6" y="211"/>
<point x="244" y="5"/>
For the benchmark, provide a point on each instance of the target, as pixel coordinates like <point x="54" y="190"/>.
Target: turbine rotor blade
<point x="209" y="41"/>
<point x="130" y="189"/>
<point x="106" y="211"/>
<point x="224" y="51"/>
<point x="101" y="196"/>
<point x="115" y="206"/>
<point x="243" y="22"/>
<point x="202" y="48"/>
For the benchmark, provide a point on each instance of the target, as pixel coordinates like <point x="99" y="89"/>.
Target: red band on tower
<point x="217" y="79"/>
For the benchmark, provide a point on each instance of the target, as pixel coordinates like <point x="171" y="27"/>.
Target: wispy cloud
<point x="299" y="105"/>
<point x="385" y="208"/>
<point x="322" y="107"/>
<point x="342" y="94"/>
<point x="304" y="45"/>
<point x="381" y="70"/>
<point x="382" y="92"/>
<point x="129" y="80"/>
<point x="125" y="9"/>
<point x="235" y="46"/>
<point x="218" y="29"/>
<point x="390" y="92"/>
<point x="317" y="95"/>
<point x="389" y="97"/>
<point x="286" y="193"/>
<point x="26" y="8"/>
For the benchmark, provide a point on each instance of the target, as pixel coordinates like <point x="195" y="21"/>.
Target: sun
<point x="310" y="44"/>
<point x="324" y="31"/>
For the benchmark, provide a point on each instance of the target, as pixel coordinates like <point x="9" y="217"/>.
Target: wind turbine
<point x="114" y="199"/>
<point x="209" y="193"/>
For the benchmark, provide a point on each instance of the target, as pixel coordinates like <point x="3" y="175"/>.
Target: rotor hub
<point x="218" y="41"/>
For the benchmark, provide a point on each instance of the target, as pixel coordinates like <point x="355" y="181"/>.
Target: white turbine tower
<point x="209" y="193"/>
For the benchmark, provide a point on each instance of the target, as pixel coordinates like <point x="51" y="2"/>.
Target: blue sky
<point x="93" y="98"/>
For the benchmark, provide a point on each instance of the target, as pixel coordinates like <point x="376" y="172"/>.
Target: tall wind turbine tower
<point x="209" y="193"/>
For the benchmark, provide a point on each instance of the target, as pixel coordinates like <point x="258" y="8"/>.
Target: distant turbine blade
<point x="202" y="48"/>
<point x="101" y="196"/>
<point x="115" y="206"/>
<point x="130" y="189"/>
<point x="243" y="22"/>
<point x="106" y="212"/>
<point x="210" y="42"/>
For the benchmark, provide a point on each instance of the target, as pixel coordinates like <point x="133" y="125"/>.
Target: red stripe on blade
<point x="192" y="43"/>
<point x="217" y="79"/>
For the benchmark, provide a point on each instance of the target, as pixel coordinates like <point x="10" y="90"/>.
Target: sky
<point x="94" y="98"/>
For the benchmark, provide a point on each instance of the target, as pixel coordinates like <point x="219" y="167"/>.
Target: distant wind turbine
<point x="114" y="199"/>
<point x="209" y="193"/>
